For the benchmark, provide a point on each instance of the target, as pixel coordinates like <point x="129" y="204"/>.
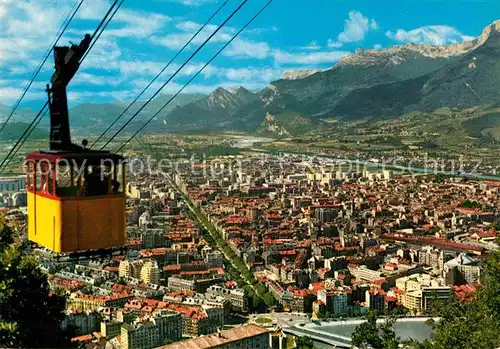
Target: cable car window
<point x="49" y="181"/>
<point x="97" y="180"/>
<point x="30" y="176"/>
<point x="43" y="177"/>
<point x="66" y="185"/>
<point x="117" y="183"/>
<point x="38" y="177"/>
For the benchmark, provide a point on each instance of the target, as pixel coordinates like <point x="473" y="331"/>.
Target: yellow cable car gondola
<point x="76" y="199"/>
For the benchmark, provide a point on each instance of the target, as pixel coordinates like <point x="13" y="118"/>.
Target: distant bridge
<point x="326" y="338"/>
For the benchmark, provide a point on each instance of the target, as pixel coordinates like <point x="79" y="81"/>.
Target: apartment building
<point x="419" y="290"/>
<point x="462" y="270"/>
<point x="245" y="337"/>
<point x="237" y="297"/>
<point x="151" y="332"/>
<point x="150" y="273"/>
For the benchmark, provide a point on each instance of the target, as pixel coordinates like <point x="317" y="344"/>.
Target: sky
<point x="146" y="34"/>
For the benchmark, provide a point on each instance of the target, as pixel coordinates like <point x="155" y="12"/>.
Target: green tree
<point x="368" y="335"/>
<point x="470" y="204"/>
<point x="471" y="324"/>
<point x="269" y="299"/>
<point x="348" y="279"/>
<point x="304" y="343"/>
<point x="30" y="314"/>
<point x="495" y="226"/>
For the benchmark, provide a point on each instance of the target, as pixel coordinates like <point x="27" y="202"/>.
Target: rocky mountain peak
<point x="401" y="53"/>
<point x="298" y="74"/>
<point x="271" y="125"/>
<point x="242" y="93"/>
<point x="269" y="94"/>
<point x="220" y="98"/>
<point x="220" y="91"/>
<point x="238" y="90"/>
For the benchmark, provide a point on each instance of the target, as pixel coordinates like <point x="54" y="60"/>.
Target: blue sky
<point x="145" y="34"/>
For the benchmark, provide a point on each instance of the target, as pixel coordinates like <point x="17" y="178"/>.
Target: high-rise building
<point x="150" y="273"/>
<point x="151" y="332"/>
<point x="146" y="270"/>
<point x="432" y="257"/>
<point x="139" y="335"/>
<point x="419" y="290"/>
<point x="375" y="300"/>
<point x="214" y="259"/>
<point x="84" y="322"/>
<point x="237" y="297"/>
<point x="130" y="268"/>
<point x="153" y="238"/>
<point x="111" y="328"/>
<point x="462" y="270"/>
<point x="325" y="214"/>
<point x="169" y="325"/>
<point x="335" y="301"/>
<point x="12" y="184"/>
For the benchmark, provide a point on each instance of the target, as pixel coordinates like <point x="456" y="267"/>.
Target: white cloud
<point x="117" y="95"/>
<point x="12" y="82"/>
<point x="139" y="67"/>
<point x="93" y="10"/>
<point x="312" y="46"/>
<point x="334" y="44"/>
<point x="83" y="78"/>
<point x="13" y="49"/>
<point x="308" y="58"/>
<point x="130" y="70"/>
<point x="272" y="28"/>
<point x="194" y="2"/>
<point x="429" y="35"/>
<point x="31" y="19"/>
<point x="377" y="47"/>
<point x="177" y="40"/>
<point x="137" y="24"/>
<point x="104" y="55"/>
<point x="242" y="48"/>
<point x="205" y="88"/>
<point x="239" y="48"/>
<point x="249" y="74"/>
<point x="8" y="95"/>
<point x="250" y="77"/>
<point x="31" y="26"/>
<point x="188" y="26"/>
<point x="356" y="27"/>
<point x="3" y="11"/>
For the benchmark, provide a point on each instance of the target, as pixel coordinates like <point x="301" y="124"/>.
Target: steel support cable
<point x="158" y="75"/>
<point x="104" y="19"/>
<point x="37" y="120"/>
<point x="103" y="27"/>
<point x="36" y="124"/>
<point x="175" y="73"/>
<point x="27" y="132"/>
<point x="13" y="151"/>
<point x="195" y="75"/>
<point x="59" y="34"/>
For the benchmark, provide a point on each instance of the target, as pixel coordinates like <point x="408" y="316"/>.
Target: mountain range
<point x="370" y="85"/>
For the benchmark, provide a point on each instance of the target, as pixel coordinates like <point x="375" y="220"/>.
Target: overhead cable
<point x="195" y="75"/>
<point x="175" y="73"/>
